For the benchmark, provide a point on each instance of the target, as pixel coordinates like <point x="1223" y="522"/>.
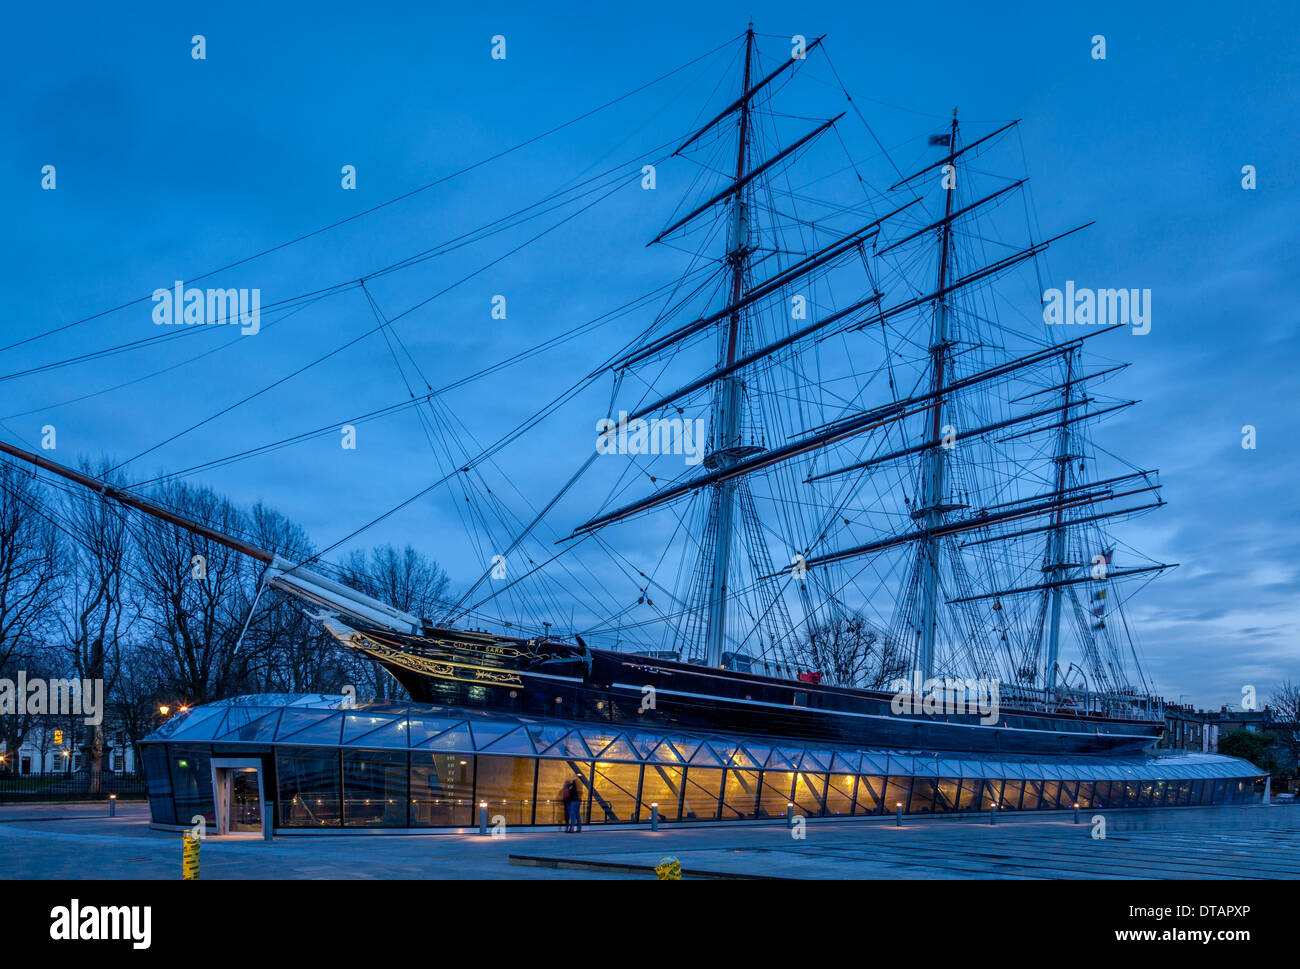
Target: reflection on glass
<point x="922" y="800"/>
<point x="613" y="795"/>
<point x="374" y="788"/>
<point x="869" y="791"/>
<point x="839" y="794"/>
<point x="945" y="798"/>
<point x="808" y="793"/>
<point x="309" y="787"/>
<point x="776" y="793"/>
<point x="703" y="786"/>
<point x="552" y="775"/>
<point x="740" y="796"/>
<point x="506" y="785"/>
<point x="662" y="785"/>
<point x="192" y="782"/>
<point x="442" y="789"/>
<point x="896" y="793"/>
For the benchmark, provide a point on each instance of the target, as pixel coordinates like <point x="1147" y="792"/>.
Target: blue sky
<point x="168" y="167"/>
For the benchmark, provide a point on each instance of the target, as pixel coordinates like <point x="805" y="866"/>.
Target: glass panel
<point x="868" y="800"/>
<point x="620" y="749"/>
<point x="706" y="756"/>
<point x="310" y="726"/>
<point x="922" y="800"/>
<point x="740" y="796"/>
<point x="546" y="734"/>
<point x="1011" y="792"/>
<point x="442" y="789"/>
<point x="192" y="782"/>
<point x="374" y="787"/>
<point x="158" y="783"/>
<point x="487" y="733"/>
<point x="200" y="724"/>
<point x="896" y="793"/>
<point x="424" y="728"/>
<point x="309" y="787"/>
<point x="598" y="740"/>
<point x="613" y="795"/>
<point x="971" y="794"/>
<point x="945" y="801"/>
<point x="358" y="724"/>
<point x="251" y="730"/>
<point x="245" y="802"/>
<point x="1130" y="793"/>
<point x="774" y="797"/>
<point x="1084" y="796"/>
<point x="552" y="775"/>
<point x="661" y="784"/>
<point x="703" y="786"/>
<point x="1059" y="794"/>
<point x="506" y="784"/>
<point x="1033" y="796"/>
<point x="457" y="739"/>
<point x="665" y="753"/>
<point x="839" y="794"/>
<point x="808" y="793"/>
<point x="393" y="736"/>
<point x="515" y="742"/>
<point x="847" y="762"/>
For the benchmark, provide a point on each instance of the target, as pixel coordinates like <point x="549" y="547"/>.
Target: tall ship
<point x="846" y="466"/>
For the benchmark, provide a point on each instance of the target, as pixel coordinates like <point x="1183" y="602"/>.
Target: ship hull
<point x="556" y="680"/>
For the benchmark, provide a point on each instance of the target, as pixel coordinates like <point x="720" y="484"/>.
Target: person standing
<point x="573" y="807"/>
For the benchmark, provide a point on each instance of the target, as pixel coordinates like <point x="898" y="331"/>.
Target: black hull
<point x="479" y="672"/>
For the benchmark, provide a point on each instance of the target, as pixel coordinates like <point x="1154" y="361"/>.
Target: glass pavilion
<point x="326" y="764"/>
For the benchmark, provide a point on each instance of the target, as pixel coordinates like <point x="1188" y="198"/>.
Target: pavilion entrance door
<point x="239" y="793"/>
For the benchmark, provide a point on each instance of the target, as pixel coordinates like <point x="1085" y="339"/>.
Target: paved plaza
<point x="1254" y="841"/>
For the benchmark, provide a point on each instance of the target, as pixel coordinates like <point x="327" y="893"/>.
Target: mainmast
<point x="727" y="404"/>
<point x="932" y="508"/>
<point x="1056" y="564"/>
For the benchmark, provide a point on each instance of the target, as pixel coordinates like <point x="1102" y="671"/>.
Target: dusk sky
<point x="168" y="167"/>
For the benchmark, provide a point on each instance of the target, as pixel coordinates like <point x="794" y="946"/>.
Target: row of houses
<point x="59" y="748"/>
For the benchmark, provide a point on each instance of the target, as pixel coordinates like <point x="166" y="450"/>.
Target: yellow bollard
<point x="190" y="858"/>
<point x="669" y="870"/>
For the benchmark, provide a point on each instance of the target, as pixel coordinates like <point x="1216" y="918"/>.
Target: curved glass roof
<point x="316" y="720"/>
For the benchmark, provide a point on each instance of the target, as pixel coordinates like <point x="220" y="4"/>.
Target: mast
<point x="1056" y="564"/>
<point x="932" y="509"/>
<point x="726" y="415"/>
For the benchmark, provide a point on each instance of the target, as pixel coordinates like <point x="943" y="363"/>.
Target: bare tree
<point x="31" y="570"/>
<point x="848" y="652"/>
<point x="1286" y="715"/>
<point x="405" y="580"/>
<point x="95" y="611"/>
<point x="192" y="589"/>
<point x="31" y="579"/>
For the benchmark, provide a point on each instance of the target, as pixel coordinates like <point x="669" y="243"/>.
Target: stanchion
<point x="190" y="858"/>
<point x="482" y="817"/>
<point x="654" y="816"/>
<point x="1076" y="812"/>
<point x="112" y="805"/>
<point x="898" y="814"/>
<point x="789" y="814"/>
